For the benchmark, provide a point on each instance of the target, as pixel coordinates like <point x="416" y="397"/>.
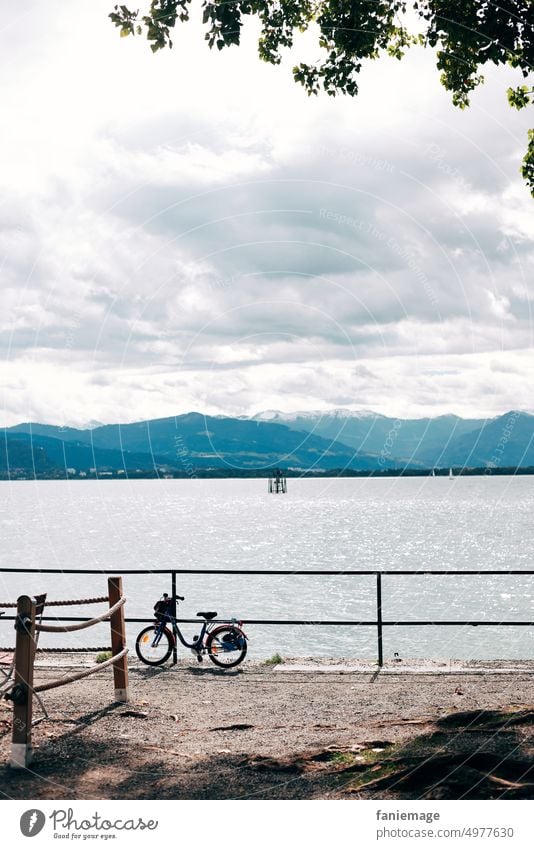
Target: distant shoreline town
<point x="256" y="474"/>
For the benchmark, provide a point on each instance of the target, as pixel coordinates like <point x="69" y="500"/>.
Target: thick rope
<point x="58" y="650"/>
<point x="57" y="629"/>
<point x="72" y="601"/>
<point x="68" y="679"/>
<point x="81" y="650"/>
<point x="63" y="602"/>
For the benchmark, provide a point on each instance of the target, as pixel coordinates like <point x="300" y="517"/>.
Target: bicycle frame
<point x="198" y="644"/>
<point x="174" y="631"/>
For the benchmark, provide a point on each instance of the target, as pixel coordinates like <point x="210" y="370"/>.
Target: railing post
<point x="173" y="594"/>
<point x="118" y="640"/>
<point x="379" y="618"/>
<point x="22" y="693"/>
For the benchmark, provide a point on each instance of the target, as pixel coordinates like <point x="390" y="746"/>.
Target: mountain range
<point x="505" y="441"/>
<point x="303" y="442"/>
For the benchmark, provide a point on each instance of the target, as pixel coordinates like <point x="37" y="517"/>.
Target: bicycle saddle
<point x="209" y="614"/>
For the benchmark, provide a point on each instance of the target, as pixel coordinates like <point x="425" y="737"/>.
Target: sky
<point x="189" y="231"/>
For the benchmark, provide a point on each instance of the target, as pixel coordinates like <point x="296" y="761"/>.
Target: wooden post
<point x="118" y="640"/>
<point x="21" y="745"/>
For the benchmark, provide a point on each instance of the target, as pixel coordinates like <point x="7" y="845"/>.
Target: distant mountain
<point x="22" y="451"/>
<point x="193" y="440"/>
<point x="501" y="442"/>
<point x="341" y="439"/>
<point x="340" y="413"/>
<point x="419" y="442"/>
<point x="17" y="455"/>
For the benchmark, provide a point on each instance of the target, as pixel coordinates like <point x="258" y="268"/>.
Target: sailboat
<point x="451" y="476"/>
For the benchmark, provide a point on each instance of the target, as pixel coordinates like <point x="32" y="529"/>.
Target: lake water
<point x="396" y="523"/>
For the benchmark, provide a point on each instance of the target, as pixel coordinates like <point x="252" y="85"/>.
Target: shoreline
<point x="258" y="474"/>
<point x="312" y="664"/>
<point x="307" y="664"/>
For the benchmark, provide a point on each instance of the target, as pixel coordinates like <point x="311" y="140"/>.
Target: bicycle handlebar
<point x="180" y="598"/>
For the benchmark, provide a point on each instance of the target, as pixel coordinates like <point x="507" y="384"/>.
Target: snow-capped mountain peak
<point x="338" y="413"/>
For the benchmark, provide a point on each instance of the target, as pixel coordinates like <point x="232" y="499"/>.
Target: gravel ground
<point x="304" y="729"/>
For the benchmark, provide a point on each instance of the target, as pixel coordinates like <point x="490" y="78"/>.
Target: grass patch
<point x="103" y="656"/>
<point x="274" y="660"/>
<point x="374" y="773"/>
<point x="342" y="758"/>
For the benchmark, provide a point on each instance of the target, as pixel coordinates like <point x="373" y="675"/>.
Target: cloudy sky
<point x="189" y="231"/>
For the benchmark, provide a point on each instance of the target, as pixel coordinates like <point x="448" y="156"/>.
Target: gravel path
<point x="306" y="729"/>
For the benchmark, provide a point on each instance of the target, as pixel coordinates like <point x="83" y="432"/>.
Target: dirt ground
<point x="308" y="729"/>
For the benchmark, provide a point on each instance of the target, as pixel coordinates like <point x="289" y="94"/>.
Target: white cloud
<point x="190" y="231"/>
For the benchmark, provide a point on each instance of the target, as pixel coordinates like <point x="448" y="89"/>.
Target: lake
<point x="354" y="523"/>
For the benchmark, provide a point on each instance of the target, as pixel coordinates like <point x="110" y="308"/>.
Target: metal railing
<point x="379" y="623"/>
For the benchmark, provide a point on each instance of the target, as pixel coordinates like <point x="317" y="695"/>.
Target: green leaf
<point x="465" y="36"/>
<point x="519" y="97"/>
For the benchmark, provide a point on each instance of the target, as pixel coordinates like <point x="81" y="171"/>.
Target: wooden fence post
<point x="118" y="640"/>
<point x="22" y="693"/>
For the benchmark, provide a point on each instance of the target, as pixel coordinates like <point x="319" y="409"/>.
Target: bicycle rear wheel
<point x="227" y="646"/>
<point x="153" y="646"/>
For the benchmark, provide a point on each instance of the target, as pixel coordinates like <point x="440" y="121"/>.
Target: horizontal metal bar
<point x="270" y="571"/>
<point x="354" y="572"/>
<point x="327" y="622"/>
<point x="88" y="571"/>
<point x="474" y="622"/>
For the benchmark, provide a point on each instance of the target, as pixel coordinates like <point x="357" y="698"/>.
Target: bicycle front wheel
<point x="153" y="646"/>
<point x="227" y="646"/>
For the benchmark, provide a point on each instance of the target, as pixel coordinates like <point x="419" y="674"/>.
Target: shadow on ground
<point x="471" y="755"/>
<point x="468" y="755"/>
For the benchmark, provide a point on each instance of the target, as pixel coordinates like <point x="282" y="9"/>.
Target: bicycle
<point x="225" y="643"/>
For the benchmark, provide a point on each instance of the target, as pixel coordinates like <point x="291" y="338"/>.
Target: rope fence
<point x="76" y="676"/>
<point x="59" y="650"/>
<point x="28" y="626"/>
<point x="59" y="629"/>
<point x="69" y="602"/>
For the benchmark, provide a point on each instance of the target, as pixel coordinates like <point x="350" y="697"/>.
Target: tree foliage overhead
<point x="466" y="35"/>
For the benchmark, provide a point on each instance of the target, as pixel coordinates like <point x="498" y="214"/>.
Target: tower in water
<point x="277" y="483"/>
